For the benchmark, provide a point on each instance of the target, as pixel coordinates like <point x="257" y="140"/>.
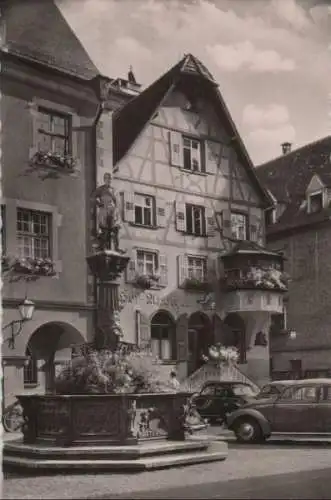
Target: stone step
<point x="215" y="452"/>
<point x="147" y="449"/>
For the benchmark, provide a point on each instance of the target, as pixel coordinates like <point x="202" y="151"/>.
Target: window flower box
<point x="195" y="284"/>
<point x="257" y="277"/>
<point x="33" y="266"/>
<point x="146" y="281"/>
<point x="64" y="162"/>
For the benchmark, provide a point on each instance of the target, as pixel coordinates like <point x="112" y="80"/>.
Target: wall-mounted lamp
<point x="26" y="310"/>
<point x="293" y="334"/>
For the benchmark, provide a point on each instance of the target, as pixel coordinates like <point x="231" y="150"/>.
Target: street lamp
<point x="26" y="310"/>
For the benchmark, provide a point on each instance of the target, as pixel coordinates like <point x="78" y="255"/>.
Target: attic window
<point x="315" y="202"/>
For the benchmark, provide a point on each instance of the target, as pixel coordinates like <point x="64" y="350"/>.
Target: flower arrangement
<point x="146" y="280"/>
<point x="267" y="278"/>
<point x="30" y="265"/>
<point x="54" y="160"/>
<point x="195" y="284"/>
<point x="221" y="354"/>
<point x="107" y="372"/>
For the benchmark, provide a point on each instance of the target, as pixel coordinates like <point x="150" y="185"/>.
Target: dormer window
<point x="315" y="202"/>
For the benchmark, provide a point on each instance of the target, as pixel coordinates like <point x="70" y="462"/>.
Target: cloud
<point x="270" y="116"/>
<point x="244" y="55"/>
<point x="273" y="136"/>
<point x="291" y="12"/>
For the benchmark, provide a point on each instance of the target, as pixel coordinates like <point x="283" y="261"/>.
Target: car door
<point x="205" y="401"/>
<point x="324" y="409"/>
<point x="295" y="411"/>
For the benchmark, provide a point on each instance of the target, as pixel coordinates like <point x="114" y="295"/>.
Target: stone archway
<point x="46" y="346"/>
<point x="200" y="337"/>
<point x="235" y="334"/>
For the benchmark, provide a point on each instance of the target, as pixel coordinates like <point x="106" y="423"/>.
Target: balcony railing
<point x="256" y="278"/>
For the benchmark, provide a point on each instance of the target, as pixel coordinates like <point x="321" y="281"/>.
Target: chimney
<point x="286" y="147"/>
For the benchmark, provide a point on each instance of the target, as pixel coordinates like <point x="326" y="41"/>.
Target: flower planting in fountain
<point x="107" y="372"/>
<point x="220" y="354"/>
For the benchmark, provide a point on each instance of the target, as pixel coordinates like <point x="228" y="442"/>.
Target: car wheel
<point x="248" y="430"/>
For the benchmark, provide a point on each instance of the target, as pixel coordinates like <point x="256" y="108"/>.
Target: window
<point x="239" y="226"/>
<point x="305" y="393"/>
<point x="327" y="393"/>
<point x="163" y="336"/>
<point x="192" y="154"/>
<point x="209" y="390"/>
<point x="195" y="220"/>
<point x="144" y="211"/>
<point x="31" y="368"/>
<point x="146" y="262"/>
<point x="54" y="132"/>
<point x="196" y="268"/>
<point x="33" y="234"/>
<point x="315" y="202"/>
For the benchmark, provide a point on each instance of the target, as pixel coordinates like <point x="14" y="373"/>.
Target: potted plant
<point x="146" y="281"/>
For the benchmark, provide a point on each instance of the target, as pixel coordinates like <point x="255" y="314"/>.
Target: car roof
<point x="308" y="381"/>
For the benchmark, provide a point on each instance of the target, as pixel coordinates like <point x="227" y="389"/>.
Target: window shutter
<point x="75" y="126"/>
<point x="130" y="272"/>
<point x="128" y="206"/>
<point x="212" y="152"/>
<point x="161" y="212"/>
<point x="182" y="269"/>
<point x="210" y="222"/>
<point x="180" y="217"/>
<point x="35" y="121"/>
<point x="226" y="224"/>
<point x="176" y="149"/>
<point x="182" y="337"/>
<point x="145" y="335"/>
<point x="163" y="269"/>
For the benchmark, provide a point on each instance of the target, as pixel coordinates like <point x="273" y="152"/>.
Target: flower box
<point x="32" y="266"/>
<point x="257" y="278"/>
<point x="146" y="281"/>
<point x="64" y="162"/>
<point x="195" y="284"/>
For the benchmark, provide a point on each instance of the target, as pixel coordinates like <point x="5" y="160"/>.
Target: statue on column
<point x="108" y="215"/>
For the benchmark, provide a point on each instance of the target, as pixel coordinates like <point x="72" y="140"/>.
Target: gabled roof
<point x="288" y="177"/>
<point x="190" y="75"/>
<point x="37" y="31"/>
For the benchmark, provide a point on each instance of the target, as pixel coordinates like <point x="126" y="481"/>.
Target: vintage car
<point x="302" y="407"/>
<point x="217" y="398"/>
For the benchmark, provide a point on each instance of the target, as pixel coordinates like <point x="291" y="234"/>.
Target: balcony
<point x="256" y="278"/>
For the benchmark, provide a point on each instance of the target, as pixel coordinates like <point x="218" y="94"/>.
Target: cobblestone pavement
<point x="242" y="462"/>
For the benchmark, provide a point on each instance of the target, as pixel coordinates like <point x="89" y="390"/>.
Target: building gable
<point x="315" y="184"/>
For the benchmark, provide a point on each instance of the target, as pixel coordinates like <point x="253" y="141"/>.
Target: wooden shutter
<point x="210" y="222"/>
<point x="145" y="330"/>
<point x="182" y="269"/>
<point x="35" y="121"/>
<point x="163" y="269"/>
<point x="260" y="231"/>
<point x="180" y="216"/>
<point x="182" y="337"/>
<point x="212" y="152"/>
<point x="176" y="149"/>
<point x="131" y="269"/>
<point x="226" y="224"/>
<point x="128" y="206"/>
<point x="161" y="212"/>
<point x="75" y="130"/>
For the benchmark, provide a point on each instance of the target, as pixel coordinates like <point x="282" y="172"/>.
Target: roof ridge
<point x="295" y="151"/>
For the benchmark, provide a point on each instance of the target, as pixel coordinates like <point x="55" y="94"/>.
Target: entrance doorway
<point x="200" y="337"/>
<point x="163" y="336"/>
<point x="236" y="335"/>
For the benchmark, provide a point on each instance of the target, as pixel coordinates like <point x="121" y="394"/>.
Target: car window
<point x="243" y="390"/>
<point x="302" y="393"/>
<point x="270" y="389"/>
<point x="327" y="393"/>
<point x="223" y="392"/>
<point x="208" y="391"/>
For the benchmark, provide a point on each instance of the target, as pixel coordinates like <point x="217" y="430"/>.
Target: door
<point x="295" y="411"/>
<point x="205" y="401"/>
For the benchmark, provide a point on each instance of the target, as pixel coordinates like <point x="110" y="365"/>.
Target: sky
<point x="271" y="58"/>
